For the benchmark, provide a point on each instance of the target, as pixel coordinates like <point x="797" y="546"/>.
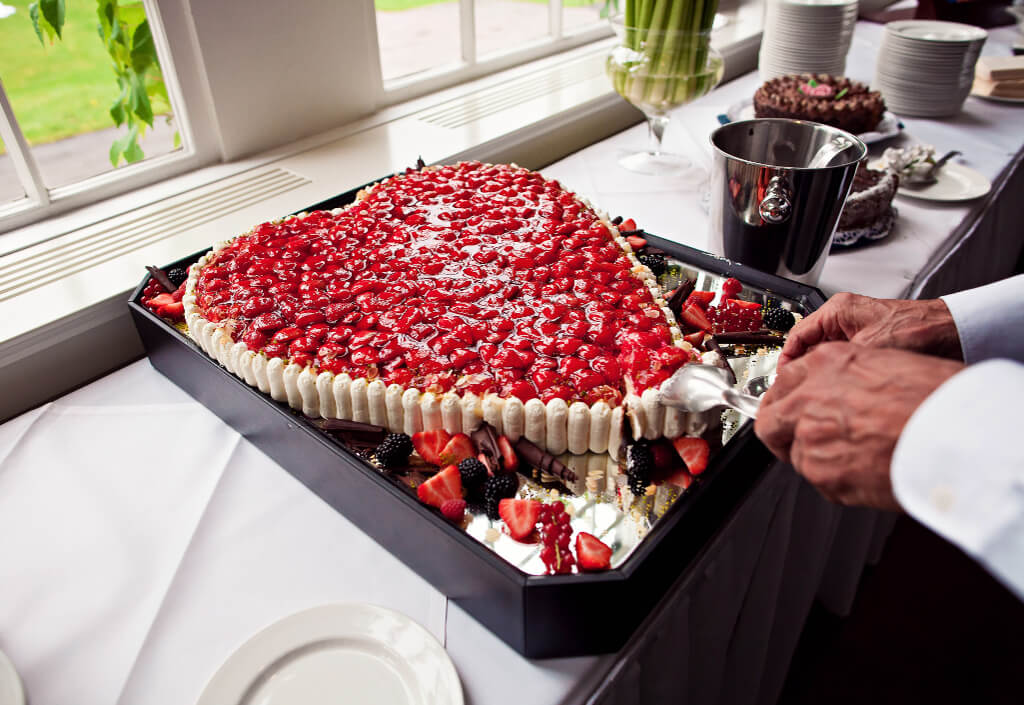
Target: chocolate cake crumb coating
<point x="858" y="110"/>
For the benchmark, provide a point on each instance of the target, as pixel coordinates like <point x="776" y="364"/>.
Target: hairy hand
<point x="920" y="326"/>
<point x="836" y="413"/>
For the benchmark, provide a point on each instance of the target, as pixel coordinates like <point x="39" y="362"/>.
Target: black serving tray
<point x="538" y="616"/>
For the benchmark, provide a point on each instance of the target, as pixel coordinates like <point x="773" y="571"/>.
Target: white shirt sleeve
<point x="990" y="320"/>
<point x="958" y="467"/>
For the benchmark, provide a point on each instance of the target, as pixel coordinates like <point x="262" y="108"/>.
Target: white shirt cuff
<point x="958" y="467"/>
<point x="990" y="320"/>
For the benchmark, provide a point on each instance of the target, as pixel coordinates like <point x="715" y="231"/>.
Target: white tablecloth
<point x="142" y="540"/>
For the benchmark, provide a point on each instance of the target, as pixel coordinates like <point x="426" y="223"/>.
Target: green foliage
<point x="124" y="30"/>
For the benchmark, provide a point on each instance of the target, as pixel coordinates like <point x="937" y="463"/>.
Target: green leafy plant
<point x="124" y="30"/>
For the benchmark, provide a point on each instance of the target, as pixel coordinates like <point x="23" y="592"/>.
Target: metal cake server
<point x="701" y="387"/>
<point x="930" y="176"/>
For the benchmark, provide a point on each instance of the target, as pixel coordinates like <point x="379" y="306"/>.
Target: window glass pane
<point x="506" y="24"/>
<point x="416" y="35"/>
<point x="10" y="186"/>
<point x="64" y="90"/>
<point x="579" y="14"/>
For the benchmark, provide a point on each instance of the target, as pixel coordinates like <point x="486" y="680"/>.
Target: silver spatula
<point x="702" y="387"/>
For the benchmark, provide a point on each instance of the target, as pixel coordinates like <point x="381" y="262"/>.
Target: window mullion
<point x="21" y="156"/>
<point x="467" y="30"/>
<point x="555" y="18"/>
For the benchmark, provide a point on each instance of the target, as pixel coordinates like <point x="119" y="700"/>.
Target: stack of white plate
<point x="926" y="67"/>
<point x="806" y="36"/>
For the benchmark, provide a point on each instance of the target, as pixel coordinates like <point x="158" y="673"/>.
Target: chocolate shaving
<point x="161" y="278"/>
<point x="638" y="231"/>
<point x="542" y="460"/>
<point x="420" y="163"/>
<point x="343" y="425"/>
<point x="761" y="337"/>
<point x="713" y="346"/>
<point x="679" y="296"/>
<point x="616" y="220"/>
<point x="486" y="440"/>
<point x="353" y="433"/>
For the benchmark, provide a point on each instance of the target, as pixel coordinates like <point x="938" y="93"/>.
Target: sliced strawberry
<point x="508" y="456"/>
<point x="174" y="311"/>
<point x="695" y="339"/>
<point x="454" y="509"/>
<point x="695" y="317"/>
<point x="740" y="303"/>
<point x="700" y="298"/>
<point x="457" y="449"/>
<point x="520" y="516"/>
<point x="636" y="242"/>
<point x="694" y="452"/>
<point x="429" y="444"/>
<point x="159" y="301"/>
<point x="487" y="463"/>
<point x="592" y="553"/>
<point x="680" y="479"/>
<point x="442" y="487"/>
<point x="627" y="225"/>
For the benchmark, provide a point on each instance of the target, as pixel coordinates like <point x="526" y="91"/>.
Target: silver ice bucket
<point x="771" y="209"/>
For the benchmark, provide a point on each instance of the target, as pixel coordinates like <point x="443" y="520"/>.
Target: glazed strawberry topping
<point x="471" y="277"/>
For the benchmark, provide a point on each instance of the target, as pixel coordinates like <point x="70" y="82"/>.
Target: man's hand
<point x="836" y="413"/>
<point x="920" y="326"/>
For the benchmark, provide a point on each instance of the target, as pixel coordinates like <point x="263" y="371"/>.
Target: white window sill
<point x="62" y="323"/>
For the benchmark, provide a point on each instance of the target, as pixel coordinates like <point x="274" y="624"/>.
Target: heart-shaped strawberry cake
<point x="442" y="298"/>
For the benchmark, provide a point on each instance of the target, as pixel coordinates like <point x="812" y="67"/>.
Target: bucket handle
<point x="776" y="207"/>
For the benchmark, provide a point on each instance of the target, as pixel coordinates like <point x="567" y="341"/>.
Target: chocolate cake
<point x="868" y="213"/>
<point x="836" y="101"/>
<point x="869" y="198"/>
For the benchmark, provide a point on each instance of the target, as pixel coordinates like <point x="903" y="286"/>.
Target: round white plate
<point x="11" y="692"/>
<point x="888" y="127"/>
<point x="956" y="183"/>
<point x="358" y="654"/>
<point x="936" y="31"/>
<point x="999" y="98"/>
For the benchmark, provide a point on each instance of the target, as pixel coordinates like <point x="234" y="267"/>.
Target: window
<point x="426" y="45"/>
<point x="59" y="97"/>
<point x="254" y="84"/>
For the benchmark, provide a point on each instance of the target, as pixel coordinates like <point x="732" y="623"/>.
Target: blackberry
<point x="498" y="488"/>
<point x="778" y="319"/>
<point x="639" y="466"/>
<point x="394" y="450"/>
<point x="639" y="460"/>
<point x="473" y="473"/>
<point x="638" y="486"/>
<point x="177" y="275"/>
<point x="654" y="262"/>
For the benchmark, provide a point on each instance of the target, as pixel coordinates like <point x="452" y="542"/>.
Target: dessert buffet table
<point x="144" y="540"/>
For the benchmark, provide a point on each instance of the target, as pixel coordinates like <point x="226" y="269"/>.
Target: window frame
<point x="169" y="26"/>
<point x="471" y="66"/>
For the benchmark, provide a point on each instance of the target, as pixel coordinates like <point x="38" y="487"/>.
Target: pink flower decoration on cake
<point x="818" y="90"/>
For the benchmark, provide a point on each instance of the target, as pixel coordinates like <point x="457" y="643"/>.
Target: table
<point x="143" y="540"/>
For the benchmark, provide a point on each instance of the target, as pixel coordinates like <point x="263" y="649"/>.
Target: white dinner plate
<point x="355" y="653"/>
<point x="936" y="31"/>
<point x="956" y="183"/>
<point x="889" y="126"/>
<point x="999" y="98"/>
<point x="11" y="691"/>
